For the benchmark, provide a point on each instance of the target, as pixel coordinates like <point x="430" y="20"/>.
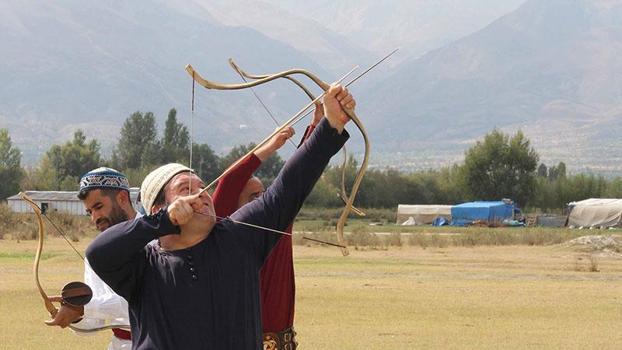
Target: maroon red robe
<point x="278" y="287"/>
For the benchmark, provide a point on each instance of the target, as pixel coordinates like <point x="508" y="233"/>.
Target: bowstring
<point x="58" y="229"/>
<point x="191" y="133"/>
<point x="267" y="229"/>
<point x="264" y="106"/>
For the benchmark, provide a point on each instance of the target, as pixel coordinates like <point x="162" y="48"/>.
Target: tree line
<point x="499" y="166"/>
<point x="138" y="150"/>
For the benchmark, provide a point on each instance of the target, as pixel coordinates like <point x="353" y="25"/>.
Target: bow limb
<point x="220" y="86"/>
<point x="357" y="182"/>
<point x="46" y="300"/>
<point x="210" y="85"/>
<point x="257" y="77"/>
<point x="343" y="193"/>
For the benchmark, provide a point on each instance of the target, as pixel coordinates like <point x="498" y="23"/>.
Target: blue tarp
<point x="440" y="221"/>
<point x="466" y="213"/>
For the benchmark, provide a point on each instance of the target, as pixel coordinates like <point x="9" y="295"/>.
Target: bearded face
<point x="105" y="209"/>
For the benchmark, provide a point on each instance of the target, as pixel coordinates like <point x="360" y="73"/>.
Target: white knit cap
<point x="155" y="181"/>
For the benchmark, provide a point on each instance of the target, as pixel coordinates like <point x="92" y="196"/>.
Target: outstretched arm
<point x="230" y="186"/>
<point x="281" y="202"/>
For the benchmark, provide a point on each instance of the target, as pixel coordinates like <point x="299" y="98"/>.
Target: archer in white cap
<point x="199" y="289"/>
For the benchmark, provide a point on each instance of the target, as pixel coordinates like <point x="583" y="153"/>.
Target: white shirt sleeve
<point x="106" y="307"/>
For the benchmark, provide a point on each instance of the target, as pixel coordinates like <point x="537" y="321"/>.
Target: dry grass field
<point x="483" y="297"/>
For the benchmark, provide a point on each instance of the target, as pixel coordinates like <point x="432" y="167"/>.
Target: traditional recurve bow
<point x="73" y="291"/>
<point x="219" y="86"/>
<point x="324" y="86"/>
<point x="244" y="74"/>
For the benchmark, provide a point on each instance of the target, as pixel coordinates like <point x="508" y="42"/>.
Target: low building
<point x="488" y="212"/>
<point x="596" y="213"/>
<point x="422" y="214"/>
<point x="61" y="201"/>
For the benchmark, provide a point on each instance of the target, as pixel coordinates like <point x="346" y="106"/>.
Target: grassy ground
<point x="482" y="297"/>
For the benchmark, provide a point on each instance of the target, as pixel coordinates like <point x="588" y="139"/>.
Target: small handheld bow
<point x="74" y="293"/>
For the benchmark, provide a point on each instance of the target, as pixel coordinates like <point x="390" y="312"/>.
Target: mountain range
<point x="549" y="68"/>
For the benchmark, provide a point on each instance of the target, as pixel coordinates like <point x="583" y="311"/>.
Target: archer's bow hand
<point x="66" y="315"/>
<point x="276" y="142"/>
<point x="336" y="101"/>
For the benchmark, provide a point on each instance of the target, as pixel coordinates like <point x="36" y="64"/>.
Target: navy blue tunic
<point x="207" y="296"/>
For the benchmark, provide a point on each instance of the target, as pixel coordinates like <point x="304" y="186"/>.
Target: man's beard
<point x="117" y="215"/>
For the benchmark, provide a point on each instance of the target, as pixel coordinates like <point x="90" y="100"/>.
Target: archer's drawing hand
<point x="337" y="99"/>
<point x="66" y="315"/>
<point x="183" y="208"/>
<point x="276" y="142"/>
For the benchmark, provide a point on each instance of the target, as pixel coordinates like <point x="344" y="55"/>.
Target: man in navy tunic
<point x="199" y="287"/>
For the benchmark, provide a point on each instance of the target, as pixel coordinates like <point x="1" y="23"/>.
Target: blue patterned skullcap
<point x="104" y="178"/>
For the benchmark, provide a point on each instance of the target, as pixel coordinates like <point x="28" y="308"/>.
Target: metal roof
<point x="71" y="196"/>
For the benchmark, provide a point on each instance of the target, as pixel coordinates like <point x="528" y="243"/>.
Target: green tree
<point x="501" y="167"/>
<point x="11" y="172"/>
<point x="614" y="188"/>
<point x="137" y="146"/>
<point x="334" y="174"/>
<point x="175" y="143"/>
<point x="268" y="170"/>
<point x="205" y="162"/>
<point x="561" y="170"/>
<point x="66" y="163"/>
<point x="324" y="195"/>
<point x="580" y="187"/>
<point x="452" y="185"/>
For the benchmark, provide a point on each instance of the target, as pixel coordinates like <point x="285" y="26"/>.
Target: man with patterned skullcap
<point x="199" y="287"/>
<point x="106" y="198"/>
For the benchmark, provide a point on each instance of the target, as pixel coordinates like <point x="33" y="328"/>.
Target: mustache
<point x="102" y="220"/>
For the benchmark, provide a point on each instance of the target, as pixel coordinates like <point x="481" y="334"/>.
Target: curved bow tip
<point x="345" y="251"/>
<point x="190" y="70"/>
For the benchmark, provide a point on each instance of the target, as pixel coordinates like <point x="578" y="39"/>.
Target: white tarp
<point x="422" y="214"/>
<point x="596" y="212"/>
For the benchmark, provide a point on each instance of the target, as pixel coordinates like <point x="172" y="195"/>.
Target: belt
<point x="122" y="334"/>
<point x="284" y="340"/>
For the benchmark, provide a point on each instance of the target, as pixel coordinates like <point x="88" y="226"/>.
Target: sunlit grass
<point x="479" y="297"/>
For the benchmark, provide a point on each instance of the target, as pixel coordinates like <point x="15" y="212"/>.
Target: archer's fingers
<point x="348" y="102"/>
<point x="52" y="323"/>
<point x="56" y="299"/>
<point x="195" y="201"/>
<point x="57" y="321"/>
<point x="334" y="90"/>
<point x="179" y="211"/>
<point x="289" y="132"/>
<point x="343" y="93"/>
